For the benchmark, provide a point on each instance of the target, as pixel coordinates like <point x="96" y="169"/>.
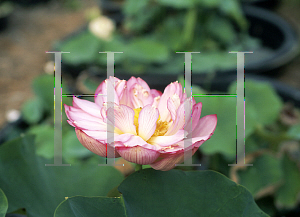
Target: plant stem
<point x="189" y="29"/>
<point x="138" y="167"/>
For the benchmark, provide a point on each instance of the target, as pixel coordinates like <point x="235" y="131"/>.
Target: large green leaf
<point x="3" y="204"/>
<point x="29" y="184"/>
<point x="294" y="132"/>
<point x="172" y="193"/>
<point x="289" y="192"/>
<point x="232" y="8"/>
<point x="224" y="138"/>
<point x="265" y="173"/>
<point x="33" y="110"/>
<point x="260" y="97"/>
<point x="90" y="207"/>
<point x="44" y="140"/>
<point x="132" y="7"/>
<point x="262" y="101"/>
<point x="177" y="3"/>
<point x="71" y="147"/>
<point x="225" y="32"/>
<point x="43" y="87"/>
<point x="83" y="48"/>
<point x="147" y="51"/>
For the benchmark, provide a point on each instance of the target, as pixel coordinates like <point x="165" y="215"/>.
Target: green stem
<point x="138" y="167"/>
<point x="189" y="28"/>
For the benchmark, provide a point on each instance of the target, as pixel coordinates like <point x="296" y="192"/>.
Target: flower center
<point x="161" y="126"/>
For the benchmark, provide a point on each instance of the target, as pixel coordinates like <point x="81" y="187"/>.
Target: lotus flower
<point x="149" y="126"/>
<point x="102" y="27"/>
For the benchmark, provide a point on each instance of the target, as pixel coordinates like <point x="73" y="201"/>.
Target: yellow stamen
<point x="136" y="118"/>
<point x="161" y="126"/>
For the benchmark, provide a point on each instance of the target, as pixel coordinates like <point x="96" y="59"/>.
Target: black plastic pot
<point x="277" y="35"/>
<point x="30" y="2"/>
<point x="290" y="213"/>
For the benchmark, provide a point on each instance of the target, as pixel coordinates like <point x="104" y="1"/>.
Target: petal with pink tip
<point x="196" y="113"/>
<point x="120" y="86"/>
<point x="170" y="90"/>
<point x="205" y="127"/>
<point x="180" y="117"/>
<point x="147" y="121"/>
<point x="167" y="161"/>
<point x="138" y="154"/>
<point x="155" y="93"/>
<point x="173" y="104"/>
<point x="123" y="118"/>
<point x="143" y="84"/>
<point x="102" y="92"/>
<point x="71" y="123"/>
<point x="92" y="144"/>
<point x="126" y="99"/>
<point x="164" y="141"/>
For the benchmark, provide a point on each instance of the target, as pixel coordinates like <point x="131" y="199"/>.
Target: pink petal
<point x="167" y="140"/>
<point x="143" y="84"/>
<point x="156" y="101"/>
<point x="90" y="125"/>
<point x="102" y="91"/>
<point x="87" y="106"/>
<point x="170" y="90"/>
<point x="173" y="104"/>
<point x="205" y="127"/>
<point x="77" y="114"/>
<point x="138" y="154"/>
<point x="123" y="138"/>
<point x="167" y="161"/>
<point x="124" y="117"/>
<point x="131" y="82"/>
<point x="120" y="86"/>
<point x="147" y="121"/>
<point x="181" y="118"/>
<point x="196" y="113"/>
<point x="71" y="123"/>
<point x="129" y="140"/>
<point x="93" y="145"/>
<point x="98" y="135"/>
<point x="126" y="100"/>
<point x="155" y="93"/>
<point x="67" y="109"/>
<point x="140" y="96"/>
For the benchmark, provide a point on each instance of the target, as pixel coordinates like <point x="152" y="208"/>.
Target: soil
<point x="33" y="30"/>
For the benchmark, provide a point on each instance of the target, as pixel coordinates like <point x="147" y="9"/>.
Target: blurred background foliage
<point x="149" y="35"/>
<point x="152" y="31"/>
